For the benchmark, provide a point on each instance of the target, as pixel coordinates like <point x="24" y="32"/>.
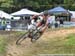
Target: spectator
<point x="61" y="21"/>
<point x="51" y="21"/>
<point x="3" y="23"/>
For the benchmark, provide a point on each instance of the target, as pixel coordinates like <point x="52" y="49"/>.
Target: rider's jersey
<point x="43" y="22"/>
<point x="40" y="19"/>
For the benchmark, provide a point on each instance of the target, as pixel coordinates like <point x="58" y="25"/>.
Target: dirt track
<point x="27" y="46"/>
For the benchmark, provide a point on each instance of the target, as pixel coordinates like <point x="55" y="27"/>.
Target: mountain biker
<point x="38" y="25"/>
<point x="40" y="22"/>
<point x="43" y="22"/>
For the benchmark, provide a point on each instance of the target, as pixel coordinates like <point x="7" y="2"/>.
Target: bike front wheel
<point x="22" y="38"/>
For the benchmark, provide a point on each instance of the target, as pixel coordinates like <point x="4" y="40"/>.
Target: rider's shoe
<point x="33" y="40"/>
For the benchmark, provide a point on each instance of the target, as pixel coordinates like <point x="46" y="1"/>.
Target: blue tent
<point x="57" y="9"/>
<point x="60" y="11"/>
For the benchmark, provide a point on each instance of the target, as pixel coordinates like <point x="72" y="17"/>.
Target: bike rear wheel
<point x="35" y="37"/>
<point x="22" y="38"/>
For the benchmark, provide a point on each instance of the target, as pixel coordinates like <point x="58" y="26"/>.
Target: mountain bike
<point x="32" y="33"/>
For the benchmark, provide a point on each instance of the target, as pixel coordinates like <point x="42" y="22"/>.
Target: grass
<point x="55" y="45"/>
<point x="70" y="40"/>
<point x="60" y="28"/>
<point x="7" y="38"/>
<point x="64" y="46"/>
<point x="2" y="45"/>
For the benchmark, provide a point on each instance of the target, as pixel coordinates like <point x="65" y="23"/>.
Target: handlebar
<point x="33" y="27"/>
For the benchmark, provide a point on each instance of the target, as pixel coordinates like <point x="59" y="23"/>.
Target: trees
<point x="37" y="5"/>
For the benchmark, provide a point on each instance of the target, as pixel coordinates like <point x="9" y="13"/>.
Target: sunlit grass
<point x="55" y="45"/>
<point x="3" y="43"/>
<point x="70" y="40"/>
<point x="64" y="46"/>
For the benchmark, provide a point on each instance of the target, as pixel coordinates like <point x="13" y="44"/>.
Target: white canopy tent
<point x="7" y="16"/>
<point x="24" y="12"/>
<point x="73" y="14"/>
<point x="16" y="18"/>
<point x="41" y="13"/>
<point x="4" y="14"/>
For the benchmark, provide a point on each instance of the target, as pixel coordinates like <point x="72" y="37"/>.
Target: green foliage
<point x="7" y="3"/>
<point x="37" y="5"/>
